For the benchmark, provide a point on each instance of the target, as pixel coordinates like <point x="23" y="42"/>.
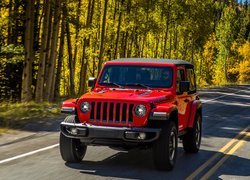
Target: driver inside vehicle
<point x="166" y="75"/>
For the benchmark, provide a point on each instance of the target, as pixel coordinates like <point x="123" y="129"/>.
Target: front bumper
<point x="91" y="134"/>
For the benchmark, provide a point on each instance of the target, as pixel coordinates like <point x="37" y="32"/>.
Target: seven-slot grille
<point x="111" y="112"/>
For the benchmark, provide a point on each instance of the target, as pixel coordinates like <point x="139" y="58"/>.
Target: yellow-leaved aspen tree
<point x="102" y="36"/>
<point x="86" y="43"/>
<point x="52" y="59"/>
<point x="26" y="95"/>
<point x="43" y="52"/>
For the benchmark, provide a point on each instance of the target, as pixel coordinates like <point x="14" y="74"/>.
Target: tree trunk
<point x="165" y="39"/>
<point x="200" y="68"/>
<point x="192" y="52"/>
<point x="83" y="68"/>
<point x="43" y="52"/>
<point x="144" y="45"/>
<point x="130" y="45"/>
<point x="86" y="42"/>
<point x="137" y="45"/>
<point x="52" y="95"/>
<point x="70" y="61"/>
<point x="167" y="29"/>
<point x="156" y="47"/>
<point x="26" y="95"/>
<point x="9" y="40"/>
<point x="123" y="45"/>
<point x="118" y="29"/>
<point x="47" y="58"/>
<point x="170" y="45"/>
<point x="94" y="59"/>
<point x="176" y="42"/>
<point x="36" y="26"/>
<point x="60" y="60"/>
<point x="16" y="13"/>
<point x="78" y="11"/>
<point x="52" y="61"/>
<point x="102" y="36"/>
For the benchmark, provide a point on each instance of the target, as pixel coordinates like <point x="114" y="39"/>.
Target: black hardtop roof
<point x="154" y="60"/>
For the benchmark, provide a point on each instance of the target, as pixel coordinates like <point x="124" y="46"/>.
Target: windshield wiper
<point x="112" y="83"/>
<point x="138" y="84"/>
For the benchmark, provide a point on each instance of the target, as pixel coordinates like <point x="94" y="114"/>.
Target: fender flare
<point x="171" y="112"/>
<point x="196" y="106"/>
<point x="69" y="106"/>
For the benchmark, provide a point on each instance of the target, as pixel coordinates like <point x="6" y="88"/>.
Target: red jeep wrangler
<point x="145" y="103"/>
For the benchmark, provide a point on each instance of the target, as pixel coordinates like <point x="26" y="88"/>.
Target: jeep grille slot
<point x="117" y="116"/>
<point x="131" y="106"/>
<point x="114" y="113"/>
<point x="124" y="112"/>
<point x="92" y="110"/>
<point x="111" y="112"/>
<point x="105" y="109"/>
<point x="98" y="114"/>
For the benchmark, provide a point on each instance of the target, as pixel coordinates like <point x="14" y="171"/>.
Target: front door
<point x="184" y="100"/>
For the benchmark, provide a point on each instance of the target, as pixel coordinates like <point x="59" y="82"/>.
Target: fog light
<point x="135" y="135"/>
<point x="142" y="135"/>
<point x="73" y="131"/>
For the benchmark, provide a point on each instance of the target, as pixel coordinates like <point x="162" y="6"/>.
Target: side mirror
<point x="184" y="86"/>
<point x="91" y="82"/>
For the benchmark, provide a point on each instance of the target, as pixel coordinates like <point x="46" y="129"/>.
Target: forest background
<point x="49" y="48"/>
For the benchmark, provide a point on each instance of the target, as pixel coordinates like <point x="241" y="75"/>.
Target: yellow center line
<point x="222" y="150"/>
<point x="226" y="156"/>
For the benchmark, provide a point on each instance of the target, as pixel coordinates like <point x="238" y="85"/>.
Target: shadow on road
<point x="138" y="164"/>
<point x="51" y="125"/>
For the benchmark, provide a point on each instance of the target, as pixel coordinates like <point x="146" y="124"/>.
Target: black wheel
<point x="165" y="148"/>
<point x="192" y="140"/>
<point x="72" y="150"/>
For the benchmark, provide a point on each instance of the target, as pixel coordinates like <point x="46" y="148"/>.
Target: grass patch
<point x="3" y="130"/>
<point x="16" y="114"/>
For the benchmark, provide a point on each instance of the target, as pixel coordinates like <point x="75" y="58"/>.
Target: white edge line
<point x="28" y="154"/>
<point x="231" y="94"/>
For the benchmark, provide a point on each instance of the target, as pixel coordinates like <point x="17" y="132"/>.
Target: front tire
<point x="165" y="148"/>
<point x="192" y="140"/>
<point x="72" y="150"/>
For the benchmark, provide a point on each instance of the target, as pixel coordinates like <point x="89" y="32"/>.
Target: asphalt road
<point x="224" y="153"/>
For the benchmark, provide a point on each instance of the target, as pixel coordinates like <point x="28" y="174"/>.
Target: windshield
<point x="143" y="76"/>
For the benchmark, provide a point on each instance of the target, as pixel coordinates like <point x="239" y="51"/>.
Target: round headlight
<point x="85" y="107"/>
<point x="140" y="110"/>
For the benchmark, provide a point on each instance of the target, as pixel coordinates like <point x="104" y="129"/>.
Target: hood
<point x="142" y="95"/>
